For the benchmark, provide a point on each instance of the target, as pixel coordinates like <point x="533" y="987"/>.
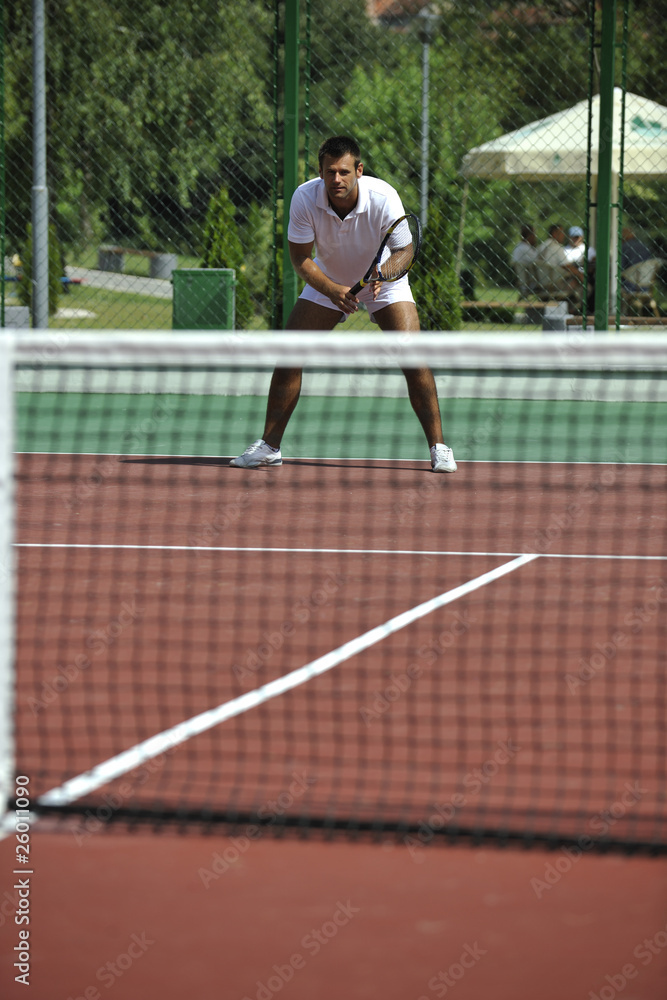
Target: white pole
<point x="593" y="212"/>
<point x="462" y="222"/>
<point x="427" y="20"/>
<point x="613" y="249"/>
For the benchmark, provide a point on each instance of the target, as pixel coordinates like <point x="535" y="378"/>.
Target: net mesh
<point x="346" y="643"/>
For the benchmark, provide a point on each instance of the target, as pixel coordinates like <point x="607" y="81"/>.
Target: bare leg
<point x="421" y="384"/>
<point x="284" y="393"/>
<point x="424" y="400"/>
<point x="285" y="387"/>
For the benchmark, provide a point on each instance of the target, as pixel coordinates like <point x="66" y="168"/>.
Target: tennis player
<point x="344" y="215"/>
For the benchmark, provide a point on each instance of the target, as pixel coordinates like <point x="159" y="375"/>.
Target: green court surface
<point x="340" y="427"/>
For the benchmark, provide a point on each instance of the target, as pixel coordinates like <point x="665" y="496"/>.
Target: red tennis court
<point x="517" y="666"/>
<point x="410" y="924"/>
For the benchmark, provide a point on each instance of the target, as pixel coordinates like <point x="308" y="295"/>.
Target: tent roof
<point x="556" y="146"/>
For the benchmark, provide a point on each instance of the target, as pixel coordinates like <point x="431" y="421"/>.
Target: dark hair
<point x="526" y="231"/>
<point x="554" y="227"/>
<point x="337" y="146"/>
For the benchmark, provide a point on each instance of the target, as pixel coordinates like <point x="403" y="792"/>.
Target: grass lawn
<point x="111" y="310"/>
<point x="126" y="311"/>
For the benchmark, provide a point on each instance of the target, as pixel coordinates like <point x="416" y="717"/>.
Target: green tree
<point x="435" y="283"/>
<point x="146" y="105"/>
<point x="222" y="248"/>
<point x="273" y="302"/>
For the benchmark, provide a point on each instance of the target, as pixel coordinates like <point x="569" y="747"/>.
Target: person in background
<point x="575" y="254"/>
<point x="523" y="260"/>
<point x="556" y="274"/>
<point x="633" y="251"/>
<point x="575" y="250"/>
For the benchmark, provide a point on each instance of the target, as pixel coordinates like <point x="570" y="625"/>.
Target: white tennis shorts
<point x="390" y="291"/>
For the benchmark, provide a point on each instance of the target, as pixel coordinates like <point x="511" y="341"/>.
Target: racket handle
<point x="356" y="288"/>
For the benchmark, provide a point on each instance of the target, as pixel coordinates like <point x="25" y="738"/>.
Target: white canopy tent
<point x="556" y="148"/>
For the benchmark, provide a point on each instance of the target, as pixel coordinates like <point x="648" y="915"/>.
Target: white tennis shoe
<point x="442" y="459"/>
<point x="256" y="454"/>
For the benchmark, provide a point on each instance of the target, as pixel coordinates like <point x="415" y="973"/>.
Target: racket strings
<point x="397" y="262"/>
<point x="400" y="251"/>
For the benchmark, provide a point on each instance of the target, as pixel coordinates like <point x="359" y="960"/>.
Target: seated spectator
<point x="575" y="254"/>
<point x="557" y="277"/>
<point x="575" y="249"/>
<point x="633" y="251"/>
<point x="523" y="260"/>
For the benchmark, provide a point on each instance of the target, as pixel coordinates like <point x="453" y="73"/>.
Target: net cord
<point x="187" y="349"/>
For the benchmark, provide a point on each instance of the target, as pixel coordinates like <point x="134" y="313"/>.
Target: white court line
<point x="126" y="761"/>
<point x="345" y="458"/>
<point x="308" y="551"/>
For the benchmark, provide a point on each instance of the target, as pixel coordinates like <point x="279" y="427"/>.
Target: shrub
<point x="437" y="289"/>
<point x="222" y="248"/>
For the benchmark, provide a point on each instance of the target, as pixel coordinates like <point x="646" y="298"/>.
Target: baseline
<point x="313" y="551"/>
<point x="318" y="458"/>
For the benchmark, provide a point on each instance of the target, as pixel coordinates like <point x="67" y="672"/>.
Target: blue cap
<point x="575" y="231"/>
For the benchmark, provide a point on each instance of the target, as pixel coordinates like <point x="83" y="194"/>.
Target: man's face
<point x="340" y="179"/>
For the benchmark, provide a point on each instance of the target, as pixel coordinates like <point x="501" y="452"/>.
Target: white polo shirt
<point x="344" y="247"/>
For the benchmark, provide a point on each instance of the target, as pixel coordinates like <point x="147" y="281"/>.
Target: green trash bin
<point x="204" y="298"/>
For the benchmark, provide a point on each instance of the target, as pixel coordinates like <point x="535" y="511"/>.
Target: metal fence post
<point x="291" y="144"/>
<point x="606" y="149"/>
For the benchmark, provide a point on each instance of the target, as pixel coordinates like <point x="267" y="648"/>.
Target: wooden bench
<point x="625" y="321"/>
<point x="521" y="304"/>
<point x="571" y="320"/>
<point x="505" y="312"/>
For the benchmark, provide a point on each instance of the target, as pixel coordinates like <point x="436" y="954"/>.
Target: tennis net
<point x="347" y="643"/>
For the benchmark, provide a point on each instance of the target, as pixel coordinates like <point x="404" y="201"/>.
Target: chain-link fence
<point x="166" y="155"/>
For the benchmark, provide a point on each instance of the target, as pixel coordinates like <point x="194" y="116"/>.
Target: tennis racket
<point x="398" y="252"/>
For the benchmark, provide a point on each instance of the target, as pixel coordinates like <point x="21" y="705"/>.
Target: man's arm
<point x="301" y="255"/>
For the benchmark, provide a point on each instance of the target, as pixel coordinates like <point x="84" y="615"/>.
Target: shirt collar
<point x="323" y="199"/>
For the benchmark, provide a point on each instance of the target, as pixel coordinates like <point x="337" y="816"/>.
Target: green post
<point x="603" y="242"/>
<point x="291" y="144"/>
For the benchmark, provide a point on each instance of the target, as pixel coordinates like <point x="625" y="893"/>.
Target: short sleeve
<point x="392" y="208"/>
<point x="300" y="229"/>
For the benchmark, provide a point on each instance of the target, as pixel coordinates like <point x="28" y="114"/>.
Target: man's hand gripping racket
<point x="398" y="252"/>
